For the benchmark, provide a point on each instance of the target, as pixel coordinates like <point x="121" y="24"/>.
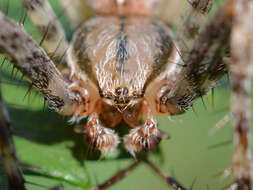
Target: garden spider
<point x="136" y="67"/>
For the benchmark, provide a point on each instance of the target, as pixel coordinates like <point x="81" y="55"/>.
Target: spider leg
<point x="168" y="179"/>
<point x="9" y="157"/>
<point x="77" y="11"/>
<point x="241" y="76"/>
<point x="196" y="75"/>
<point x="204" y="65"/>
<point x="191" y="23"/>
<point x="117" y="177"/>
<point x="124" y="172"/>
<point x="32" y="61"/>
<point x="44" y="18"/>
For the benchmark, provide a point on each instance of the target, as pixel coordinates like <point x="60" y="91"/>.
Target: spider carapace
<point x="124" y="63"/>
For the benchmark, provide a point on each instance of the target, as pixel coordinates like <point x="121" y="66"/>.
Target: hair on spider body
<point x="129" y="70"/>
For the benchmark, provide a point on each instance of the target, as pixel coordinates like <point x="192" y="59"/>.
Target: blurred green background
<point x="44" y="139"/>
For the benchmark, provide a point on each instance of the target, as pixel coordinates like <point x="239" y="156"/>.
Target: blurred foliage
<point x="54" y="155"/>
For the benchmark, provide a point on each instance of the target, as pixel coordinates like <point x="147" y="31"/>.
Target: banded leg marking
<point x="32" y="61"/>
<point x="44" y="18"/>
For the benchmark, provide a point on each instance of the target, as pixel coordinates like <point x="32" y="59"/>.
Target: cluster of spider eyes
<point x="121" y="91"/>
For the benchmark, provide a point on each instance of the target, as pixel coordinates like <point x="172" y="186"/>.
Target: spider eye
<point x="118" y="91"/>
<point x="121" y="91"/>
<point x="125" y="91"/>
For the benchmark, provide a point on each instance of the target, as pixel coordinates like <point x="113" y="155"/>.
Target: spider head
<point x="121" y="98"/>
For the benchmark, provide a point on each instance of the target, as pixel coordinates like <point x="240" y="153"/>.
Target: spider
<point x="123" y="64"/>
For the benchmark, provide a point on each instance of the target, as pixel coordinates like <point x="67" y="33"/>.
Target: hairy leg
<point x="11" y="165"/>
<point x="124" y="172"/>
<point x="44" y="18"/>
<point x="117" y="177"/>
<point x="241" y="76"/>
<point x="206" y="64"/>
<point x="191" y="23"/>
<point x="32" y="61"/>
<point x="168" y="179"/>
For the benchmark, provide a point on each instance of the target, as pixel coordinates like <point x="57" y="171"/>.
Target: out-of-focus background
<point x="45" y="140"/>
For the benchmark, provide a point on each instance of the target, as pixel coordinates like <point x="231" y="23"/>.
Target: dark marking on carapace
<point x="122" y="54"/>
<point x="123" y="22"/>
<point x="164" y="44"/>
<point x="80" y="49"/>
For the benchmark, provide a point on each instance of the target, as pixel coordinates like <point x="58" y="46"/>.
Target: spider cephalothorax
<point x="125" y="61"/>
<point x="123" y="64"/>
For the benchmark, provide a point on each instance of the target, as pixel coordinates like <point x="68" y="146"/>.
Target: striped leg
<point x="44" y="18"/>
<point x="32" y="61"/>
<point x="241" y="75"/>
<point x="191" y="23"/>
<point x="12" y="168"/>
<point x="117" y="177"/>
<point x="124" y="172"/>
<point x="203" y="67"/>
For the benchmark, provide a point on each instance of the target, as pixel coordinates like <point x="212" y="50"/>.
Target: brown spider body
<point x="123" y="62"/>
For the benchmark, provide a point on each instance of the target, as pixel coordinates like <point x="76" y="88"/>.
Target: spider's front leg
<point x="77" y="99"/>
<point x="205" y="65"/>
<point x="11" y="164"/>
<point x="32" y="61"/>
<point x="190" y="26"/>
<point x="53" y="36"/>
